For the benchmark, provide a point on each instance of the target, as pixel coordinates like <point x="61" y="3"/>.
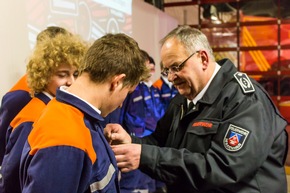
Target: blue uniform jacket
<point x="166" y="92"/>
<point x="141" y="110"/>
<point x="18" y="131"/>
<point x="66" y="151"/>
<point x="12" y="102"/>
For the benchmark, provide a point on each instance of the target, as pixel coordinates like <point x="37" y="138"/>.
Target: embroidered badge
<point x="245" y="82"/>
<point x="235" y="138"/>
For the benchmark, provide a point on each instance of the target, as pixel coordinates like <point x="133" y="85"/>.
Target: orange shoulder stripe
<point x="29" y="113"/>
<point x="21" y="84"/>
<point x="61" y="125"/>
<point x="158" y="84"/>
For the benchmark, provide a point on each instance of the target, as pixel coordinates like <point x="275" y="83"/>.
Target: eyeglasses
<point x="176" y="68"/>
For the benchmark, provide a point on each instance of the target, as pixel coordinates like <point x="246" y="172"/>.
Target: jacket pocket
<point x="199" y="135"/>
<point x="203" y="127"/>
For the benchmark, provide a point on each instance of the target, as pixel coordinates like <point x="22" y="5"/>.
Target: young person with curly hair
<point x="54" y="63"/>
<point x="18" y="96"/>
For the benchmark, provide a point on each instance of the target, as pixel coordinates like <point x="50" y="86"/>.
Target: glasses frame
<point x="176" y="68"/>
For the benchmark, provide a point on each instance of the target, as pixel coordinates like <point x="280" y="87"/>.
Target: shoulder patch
<point x="245" y="82"/>
<point x="235" y="138"/>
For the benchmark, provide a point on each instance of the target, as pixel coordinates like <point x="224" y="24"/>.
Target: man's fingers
<point x="121" y="158"/>
<point x="125" y="170"/>
<point x="119" y="149"/>
<point x="114" y="136"/>
<point x="122" y="165"/>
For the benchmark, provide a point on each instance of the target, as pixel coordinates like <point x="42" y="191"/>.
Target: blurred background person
<point x="139" y="115"/>
<point x="166" y="88"/>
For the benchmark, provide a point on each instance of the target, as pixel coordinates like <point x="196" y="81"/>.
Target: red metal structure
<point x="257" y="39"/>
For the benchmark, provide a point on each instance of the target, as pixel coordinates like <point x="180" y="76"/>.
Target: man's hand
<point x="127" y="156"/>
<point x="115" y="134"/>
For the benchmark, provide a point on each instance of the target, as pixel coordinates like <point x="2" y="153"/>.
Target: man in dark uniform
<point x="232" y="140"/>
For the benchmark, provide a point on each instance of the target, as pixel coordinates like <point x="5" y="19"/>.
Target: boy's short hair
<point x="115" y="54"/>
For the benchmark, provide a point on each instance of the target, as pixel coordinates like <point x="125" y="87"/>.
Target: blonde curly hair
<point x="49" y="54"/>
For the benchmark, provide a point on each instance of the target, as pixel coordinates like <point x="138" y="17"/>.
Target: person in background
<point x="53" y="63"/>
<point x="139" y="115"/>
<point x="142" y="108"/>
<point x="167" y="90"/>
<point x="66" y="151"/>
<point x="18" y="96"/>
<point x="160" y="187"/>
<point x="221" y="133"/>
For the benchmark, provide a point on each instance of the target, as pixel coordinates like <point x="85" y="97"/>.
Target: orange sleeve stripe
<point x="61" y="124"/>
<point x="21" y="85"/>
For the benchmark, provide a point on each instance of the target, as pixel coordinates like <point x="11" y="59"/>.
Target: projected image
<point x="89" y="18"/>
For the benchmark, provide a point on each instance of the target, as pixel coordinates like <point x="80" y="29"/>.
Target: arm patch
<point x="244" y="82"/>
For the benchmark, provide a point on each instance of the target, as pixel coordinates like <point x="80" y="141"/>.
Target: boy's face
<point x="151" y="68"/>
<point x="64" y="75"/>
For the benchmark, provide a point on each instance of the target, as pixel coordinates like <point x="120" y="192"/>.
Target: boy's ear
<point x="117" y="81"/>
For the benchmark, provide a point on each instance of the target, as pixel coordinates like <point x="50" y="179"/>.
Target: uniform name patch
<point x="202" y="124"/>
<point x="245" y="82"/>
<point x="235" y="138"/>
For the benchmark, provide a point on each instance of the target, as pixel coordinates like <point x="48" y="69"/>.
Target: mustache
<point x="177" y="80"/>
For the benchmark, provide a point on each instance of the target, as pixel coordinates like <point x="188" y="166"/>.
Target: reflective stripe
<point x="140" y="191"/>
<point x="166" y="95"/>
<point x="147" y="98"/>
<point x="137" y="98"/>
<point x="156" y="95"/>
<point x="105" y="181"/>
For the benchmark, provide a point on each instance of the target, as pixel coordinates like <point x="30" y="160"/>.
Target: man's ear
<point x="204" y="59"/>
<point x="117" y="81"/>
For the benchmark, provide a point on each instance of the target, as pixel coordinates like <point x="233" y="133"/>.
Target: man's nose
<point x="171" y="76"/>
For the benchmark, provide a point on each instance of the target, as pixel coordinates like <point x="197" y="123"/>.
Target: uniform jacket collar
<point x="224" y="75"/>
<point x="81" y="105"/>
